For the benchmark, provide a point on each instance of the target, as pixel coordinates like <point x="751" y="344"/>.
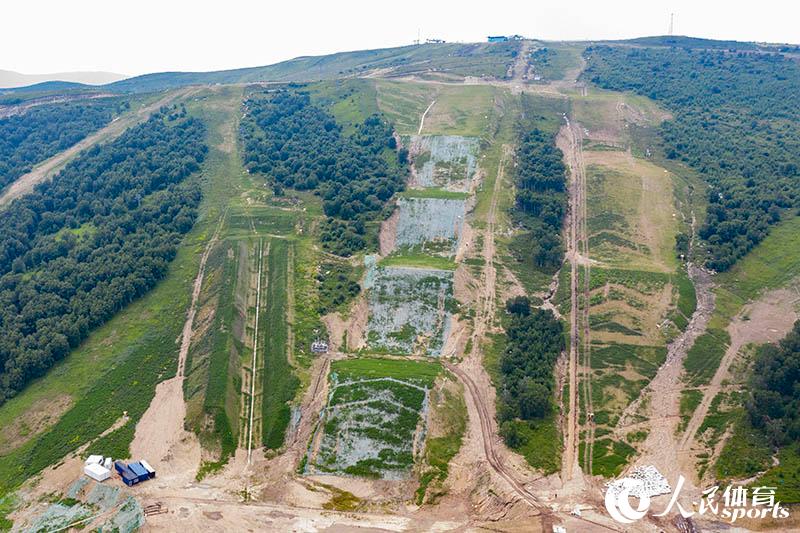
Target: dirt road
<point x="422" y="118"/>
<point x="45" y="170"/>
<point x="489" y="439"/>
<point x="569" y="141"/>
<point x="471" y="372"/>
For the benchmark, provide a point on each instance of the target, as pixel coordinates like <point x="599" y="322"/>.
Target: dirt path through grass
<point x="422" y="118"/>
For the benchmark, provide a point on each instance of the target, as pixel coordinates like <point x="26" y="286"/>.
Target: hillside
<point x="10" y="79"/>
<point x="439" y="287"/>
<point x="434" y="60"/>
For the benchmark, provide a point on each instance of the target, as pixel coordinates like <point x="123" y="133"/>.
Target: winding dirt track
<point x="422" y="118"/>
<point x="488" y="439"/>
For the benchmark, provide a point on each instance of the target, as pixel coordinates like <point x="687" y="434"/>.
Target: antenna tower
<point x="671" y="22"/>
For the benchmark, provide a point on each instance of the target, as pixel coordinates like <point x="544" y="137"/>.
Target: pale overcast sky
<point x="135" y="37"/>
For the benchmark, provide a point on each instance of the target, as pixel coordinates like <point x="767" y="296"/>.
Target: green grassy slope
<point x="475" y="59"/>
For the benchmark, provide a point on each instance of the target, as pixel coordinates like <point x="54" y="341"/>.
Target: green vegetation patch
<point x="690" y="401"/>
<point x="704" y="356"/>
<point x="338" y="285"/>
<point x="785" y="476"/>
<point x="410" y="308"/>
<point x="609" y="457"/>
<point x="279" y="383"/>
<point x="417" y="260"/>
<point x="374" y="418"/>
<point x="442" y="444"/>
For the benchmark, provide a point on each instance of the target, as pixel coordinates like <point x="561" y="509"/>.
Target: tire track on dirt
<point x="483" y="321"/>
<point x="488" y="439"/>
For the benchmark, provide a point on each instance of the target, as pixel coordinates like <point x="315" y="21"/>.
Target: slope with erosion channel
<point x="634" y="296"/>
<point x="757" y="303"/>
<point x="409" y="296"/>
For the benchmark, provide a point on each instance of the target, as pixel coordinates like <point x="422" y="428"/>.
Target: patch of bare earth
<point x="348" y="333"/>
<point x="388" y="233"/>
<point x="38" y="417"/>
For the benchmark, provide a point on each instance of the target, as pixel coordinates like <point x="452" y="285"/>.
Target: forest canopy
<point x="299" y="145"/>
<point x="774" y="404"/>
<point x="541" y="200"/>
<point x="735" y="121"/>
<point x="33" y="136"/>
<point x="534" y="341"/>
<point x="99" y="235"/>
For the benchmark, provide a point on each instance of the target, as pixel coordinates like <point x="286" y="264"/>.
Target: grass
<point x="786" y="476"/>
<point x="213" y="378"/>
<point x="630" y="212"/>
<point x="279" y="383"/>
<point x="609" y="457"/>
<point x="772" y="264"/>
<point x="349" y="101"/>
<point x="422" y="372"/>
<point x="461" y="110"/>
<point x="703" y="358"/>
<point x="746" y="452"/>
<point x="556" y="61"/>
<point x="450" y="413"/>
<point x="376" y="420"/>
<point x="341" y="500"/>
<point x="418" y="260"/>
<point x="338" y="284"/>
<point x="403" y="103"/>
<point x="442" y="194"/>
<point x="690" y="401"/>
<point x="541" y="444"/>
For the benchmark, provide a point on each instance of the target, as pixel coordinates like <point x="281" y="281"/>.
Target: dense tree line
<point x="735" y="120"/>
<point x="534" y="341"/>
<point x="541" y="199"/>
<point x="299" y="145"/>
<point x="99" y="235"/>
<point x="43" y="131"/>
<point x="774" y="404"/>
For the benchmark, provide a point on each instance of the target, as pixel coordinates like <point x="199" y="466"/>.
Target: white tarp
<point x="97" y="472"/>
<point x="94" y="460"/>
